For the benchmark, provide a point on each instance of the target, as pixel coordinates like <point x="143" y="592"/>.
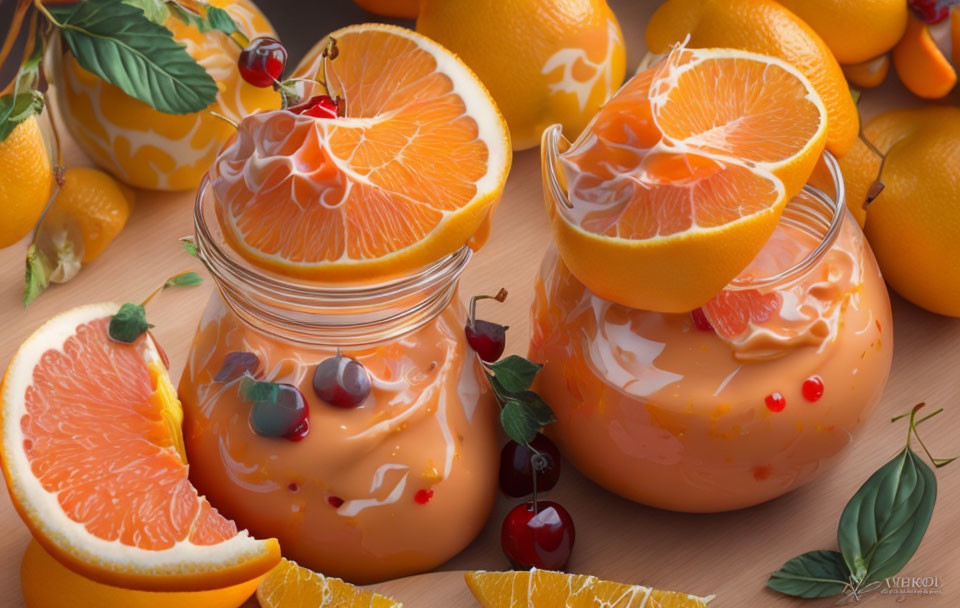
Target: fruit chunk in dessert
<point x="546" y="589"/>
<point x="93" y="458"/>
<point x="677" y="183"/>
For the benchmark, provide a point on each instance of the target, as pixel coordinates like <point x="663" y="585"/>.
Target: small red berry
<point x="341" y="381"/>
<point x="775" y="402"/>
<point x="318" y="106"/>
<point x="813" y="388"/>
<point x="700" y="320"/>
<point x="262" y="62"/>
<point x="540" y="536"/>
<point x="516" y="467"/>
<point x="930" y="12"/>
<point x="488" y="339"/>
<point x="422" y="497"/>
<point x="335" y="501"/>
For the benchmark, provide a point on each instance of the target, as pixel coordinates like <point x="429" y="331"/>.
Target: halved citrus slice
<point x="292" y="586"/>
<point x="411" y="173"/>
<point x="680" y="179"/>
<point x="546" y="589"/>
<point x="92" y="457"/>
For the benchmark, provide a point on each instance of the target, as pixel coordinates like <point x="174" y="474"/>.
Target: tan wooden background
<point x="729" y="554"/>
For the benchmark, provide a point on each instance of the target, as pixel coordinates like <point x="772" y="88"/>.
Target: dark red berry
<point x="262" y="62"/>
<point x="341" y="381"/>
<point x="319" y="106"/>
<point x="929" y="11"/>
<point x="813" y="388"/>
<point x="422" y="497"/>
<point x="287" y="416"/>
<point x="775" y="402"/>
<point x="335" y="501"/>
<point x="541" y="538"/>
<point x="236" y="365"/>
<point x="516" y="467"/>
<point x="700" y="320"/>
<point x="488" y="339"/>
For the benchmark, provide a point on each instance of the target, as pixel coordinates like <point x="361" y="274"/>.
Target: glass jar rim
<point x="835" y="205"/>
<point x="308" y="312"/>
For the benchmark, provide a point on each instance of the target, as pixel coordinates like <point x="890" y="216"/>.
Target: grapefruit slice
<point x="92" y="457"/>
<point x="411" y="173"/>
<point x="292" y="586"/>
<point x="680" y="179"/>
<point x="546" y="589"/>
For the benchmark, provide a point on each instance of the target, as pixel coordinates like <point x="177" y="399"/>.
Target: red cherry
<point x="262" y="62"/>
<point x="929" y="11"/>
<point x="813" y="388"/>
<point x="488" y="339"/>
<point x="516" y="468"/>
<point x="422" y="497"/>
<point x="700" y="320"/>
<point x="318" y="106"/>
<point x="335" y="501"/>
<point x="775" y="402"/>
<point x="341" y="381"/>
<point x="540" y="537"/>
<point x="287" y="418"/>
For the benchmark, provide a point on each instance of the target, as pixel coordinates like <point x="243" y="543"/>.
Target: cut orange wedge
<point x="546" y="589"/>
<point x="680" y="179"/>
<point x="412" y="173"/>
<point x="870" y="73"/>
<point x="92" y="457"/>
<point x="920" y="64"/>
<point x="292" y="586"/>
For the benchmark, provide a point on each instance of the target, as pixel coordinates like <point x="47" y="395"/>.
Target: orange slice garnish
<point x="681" y="178"/>
<point x="292" y="586"/>
<point x="410" y="174"/>
<point x="92" y="457"/>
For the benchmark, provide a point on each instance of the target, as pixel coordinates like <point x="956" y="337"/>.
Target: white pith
<point x="42" y="507"/>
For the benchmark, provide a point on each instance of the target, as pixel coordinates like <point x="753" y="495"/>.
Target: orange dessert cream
<point x="330" y="396"/>
<point x="736" y="402"/>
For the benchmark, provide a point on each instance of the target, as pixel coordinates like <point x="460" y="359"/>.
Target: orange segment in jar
<point x="93" y="458"/>
<point x="410" y="174"/>
<point x="680" y="179"/>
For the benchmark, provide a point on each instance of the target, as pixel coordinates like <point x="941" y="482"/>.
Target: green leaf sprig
<point x="880" y="528"/>
<point x="125" y="42"/>
<point x="130" y="322"/>
<point x="523" y="413"/>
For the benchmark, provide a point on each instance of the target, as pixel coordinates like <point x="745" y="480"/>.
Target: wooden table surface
<point x="728" y="554"/>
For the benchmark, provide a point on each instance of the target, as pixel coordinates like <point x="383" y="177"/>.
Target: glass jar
<point x="666" y="410"/>
<point x="393" y="487"/>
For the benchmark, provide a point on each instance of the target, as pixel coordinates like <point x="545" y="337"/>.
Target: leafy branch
<point x="880" y="528"/>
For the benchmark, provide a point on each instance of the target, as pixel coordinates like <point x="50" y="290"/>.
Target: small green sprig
<point x="880" y="528"/>
<point x="130" y="322"/>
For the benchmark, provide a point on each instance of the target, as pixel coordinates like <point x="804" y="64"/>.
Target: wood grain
<point x="729" y="554"/>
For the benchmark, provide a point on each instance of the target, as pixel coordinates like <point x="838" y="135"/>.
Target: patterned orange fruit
<point x="146" y="148"/>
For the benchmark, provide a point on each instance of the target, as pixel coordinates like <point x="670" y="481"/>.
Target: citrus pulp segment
<point x="411" y="173"/>
<point x="292" y="586"/>
<point x="92" y="457"/>
<point x="680" y="179"/>
<point x="547" y="589"/>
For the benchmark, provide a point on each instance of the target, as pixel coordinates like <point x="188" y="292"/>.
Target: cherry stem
<point x="225" y="119"/>
<point x="538" y="462"/>
<point x="46" y="13"/>
<point x="165" y="284"/>
<point x="326" y="57"/>
<point x="472" y="317"/>
<point x="877" y="186"/>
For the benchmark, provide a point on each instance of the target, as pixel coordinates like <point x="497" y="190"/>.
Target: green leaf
<point x="186" y="279"/>
<point x="221" y="20"/>
<point x="538" y="409"/>
<point x="813" y="574"/>
<point x="190" y="246"/>
<point x="883" y="524"/>
<point x="156" y="11"/>
<point x="120" y="44"/>
<point x="517" y="422"/>
<point x="16" y="108"/>
<point x="514" y="373"/>
<point x="258" y="391"/>
<point x="187" y="16"/>
<point x="37" y="277"/>
<point x="129" y="323"/>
